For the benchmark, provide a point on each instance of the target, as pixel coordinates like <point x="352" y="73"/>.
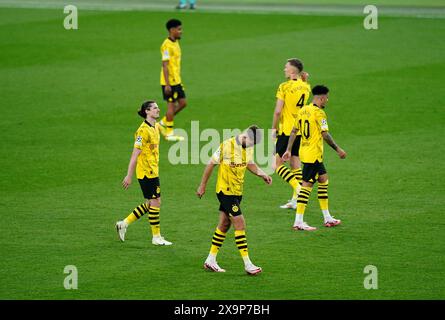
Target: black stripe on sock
<point x="286" y="175"/>
<point x="141" y="212"/>
<point x="280" y="169"/>
<point x="216" y="239"/>
<point x="219" y="235"/>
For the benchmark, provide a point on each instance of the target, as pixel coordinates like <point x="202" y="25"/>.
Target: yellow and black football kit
<point x="295" y="94"/>
<point x="147" y="173"/>
<point x="171" y="52"/>
<point x="147" y="168"/>
<point x="233" y="159"/>
<point x="312" y="122"/>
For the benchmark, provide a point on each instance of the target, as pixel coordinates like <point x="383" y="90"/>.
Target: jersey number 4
<point x="306" y="129"/>
<point x="300" y="102"/>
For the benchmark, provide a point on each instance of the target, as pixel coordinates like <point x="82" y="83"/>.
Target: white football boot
<point x="332" y="223"/>
<point x="121" y="228"/>
<point x="291" y="204"/>
<point x="160" y="241"/>
<point x="252" y="269"/>
<point x="213" y="266"/>
<point x="303" y="227"/>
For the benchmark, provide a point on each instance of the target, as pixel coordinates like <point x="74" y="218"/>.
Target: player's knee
<point x="224" y="226"/>
<point x="155" y="202"/>
<point x="239" y="224"/>
<point x="295" y="162"/>
<point x="307" y="184"/>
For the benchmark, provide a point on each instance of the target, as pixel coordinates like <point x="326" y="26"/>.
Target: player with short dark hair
<point x="171" y="82"/>
<point x="312" y="123"/>
<point x="234" y="155"/>
<point x="291" y="96"/>
<point x="145" y="161"/>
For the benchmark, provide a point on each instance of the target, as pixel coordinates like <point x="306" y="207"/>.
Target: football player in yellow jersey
<point x="171" y="83"/>
<point x="313" y="126"/>
<point x="145" y="161"/>
<point x="233" y="156"/>
<point x="291" y="96"/>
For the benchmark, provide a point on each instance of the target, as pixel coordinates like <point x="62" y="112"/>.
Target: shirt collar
<point x="239" y="142"/>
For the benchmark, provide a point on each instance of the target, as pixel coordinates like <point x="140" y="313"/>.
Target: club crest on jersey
<point x="235" y="208"/>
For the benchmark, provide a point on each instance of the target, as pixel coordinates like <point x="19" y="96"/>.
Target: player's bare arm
<point x="131" y="168"/>
<point x="205" y="178"/>
<point x="276" y="116"/>
<point x="330" y="141"/>
<point x="252" y="167"/>
<point x="287" y="155"/>
<point x="168" y="88"/>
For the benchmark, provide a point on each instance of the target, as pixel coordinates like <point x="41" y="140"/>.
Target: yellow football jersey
<point x="171" y="52"/>
<point x="233" y="160"/>
<point x="147" y="140"/>
<point x="295" y="94"/>
<point x="311" y="121"/>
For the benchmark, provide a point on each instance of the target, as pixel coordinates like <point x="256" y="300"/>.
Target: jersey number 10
<point x="305" y="131"/>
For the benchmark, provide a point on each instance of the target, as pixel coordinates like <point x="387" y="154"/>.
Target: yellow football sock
<point x="241" y="242"/>
<point x="153" y="218"/>
<point x="303" y="198"/>
<point x="217" y="241"/>
<point x="136" y="214"/>
<point x="323" y="195"/>
<point x="287" y="176"/>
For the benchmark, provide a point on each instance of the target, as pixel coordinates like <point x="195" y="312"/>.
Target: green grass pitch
<point x="68" y="104"/>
